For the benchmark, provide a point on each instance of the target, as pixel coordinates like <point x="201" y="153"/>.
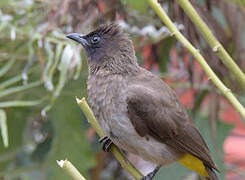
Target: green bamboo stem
<point x="195" y="52"/>
<point x="212" y="41"/>
<point x="114" y="149"/>
<point x="71" y="170"/>
<point x="17" y="89"/>
<point x="17" y="103"/>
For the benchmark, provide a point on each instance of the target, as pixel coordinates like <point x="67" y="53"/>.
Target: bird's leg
<point x="151" y="174"/>
<point x="107" y="143"/>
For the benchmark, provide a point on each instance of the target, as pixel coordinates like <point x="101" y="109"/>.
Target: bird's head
<point x="106" y="43"/>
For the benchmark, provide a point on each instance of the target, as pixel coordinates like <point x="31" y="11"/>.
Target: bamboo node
<point x="173" y="33"/>
<point x="215" y="48"/>
<point x="228" y="90"/>
<point x="197" y="51"/>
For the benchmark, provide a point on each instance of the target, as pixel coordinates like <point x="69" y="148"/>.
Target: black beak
<point x="78" y="38"/>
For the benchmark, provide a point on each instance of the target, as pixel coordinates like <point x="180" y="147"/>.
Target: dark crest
<point x="105" y="45"/>
<point x="111" y="30"/>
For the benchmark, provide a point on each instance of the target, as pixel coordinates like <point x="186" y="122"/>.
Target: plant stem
<point x="7" y="66"/>
<point x="7" y="104"/>
<point x="4" y="128"/>
<point x="17" y="89"/>
<point x="70" y="170"/>
<point x="11" y="81"/>
<point x="195" y="52"/>
<point x="212" y="41"/>
<point x="114" y="149"/>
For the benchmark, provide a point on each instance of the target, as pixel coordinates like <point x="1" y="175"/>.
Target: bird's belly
<point x="123" y="134"/>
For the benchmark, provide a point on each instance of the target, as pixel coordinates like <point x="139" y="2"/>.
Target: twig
<point x="114" y="149"/>
<point x="17" y="89"/>
<point x="6" y="104"/>
<point x="195" y="52"/>
<point x="70" y="169"/>
<point x="212" y="41"/>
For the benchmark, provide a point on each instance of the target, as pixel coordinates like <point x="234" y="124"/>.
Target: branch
<point x="114" y="149"/>
<point x="212" y="41"/>
<point x="195" y="52"/>
<point x="68" y="167"/>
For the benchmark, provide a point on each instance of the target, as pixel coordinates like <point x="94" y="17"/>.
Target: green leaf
<point x="20" y="103"/>
<point x="239" y="2"/>
<point x="17" y="89"/>
<point x="4" y="128"/>
<point x="63" y="68"/>
<point x="69" y="141"/>
<point x="54" y="65"/>
<point x="7" y="66"/>
<point x="139" y="5"/>
<point x="16" y="126"/>
<point x="164" y="54"/>
<point x="49" y="63"/>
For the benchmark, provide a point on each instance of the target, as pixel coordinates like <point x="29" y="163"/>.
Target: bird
<point x="136" y="109"/>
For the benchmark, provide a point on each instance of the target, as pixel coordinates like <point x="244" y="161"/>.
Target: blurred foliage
<point x="41" y="72"/>
<point x="240" y="2"/>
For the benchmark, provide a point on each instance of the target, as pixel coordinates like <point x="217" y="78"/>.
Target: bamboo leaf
<point x="63" y="68"/>
<point x="69" y="128"/>
<point x="19" y="88"/>
<point x="55" y="64"/>
<point x="78" y="60"/>
<point x="239" y="2"/>
<point x="47" y="83"/>
<point x="4" y="128"/>
<point x="12" y="81"/>
<point x="20" y="103"/>
<point x="7" y="66"/>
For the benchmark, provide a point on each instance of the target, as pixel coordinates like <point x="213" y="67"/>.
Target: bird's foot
<point x="151" y="174"/>
<point x="107" y="143"/>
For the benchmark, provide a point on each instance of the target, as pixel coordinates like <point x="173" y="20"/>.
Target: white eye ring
<point x="95" y="39"/>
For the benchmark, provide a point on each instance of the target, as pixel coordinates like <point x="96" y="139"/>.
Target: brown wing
<point x="156" y="111"/>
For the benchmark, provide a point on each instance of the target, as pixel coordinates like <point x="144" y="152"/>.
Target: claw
<point x="107" y="143"/>
<point x="102" y="139"/>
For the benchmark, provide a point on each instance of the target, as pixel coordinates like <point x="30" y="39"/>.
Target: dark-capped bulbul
<point x="138" y="111"/>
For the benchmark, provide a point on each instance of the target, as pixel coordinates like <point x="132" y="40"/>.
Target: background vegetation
<point x="41" y="72"/>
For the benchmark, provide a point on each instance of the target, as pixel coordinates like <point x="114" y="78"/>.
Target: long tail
<point x="211" y="173"/>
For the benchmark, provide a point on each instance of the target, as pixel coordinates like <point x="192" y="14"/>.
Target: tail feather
<point x="211" y="173"/>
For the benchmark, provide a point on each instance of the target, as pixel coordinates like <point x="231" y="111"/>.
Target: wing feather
<point x="165" y="119"/>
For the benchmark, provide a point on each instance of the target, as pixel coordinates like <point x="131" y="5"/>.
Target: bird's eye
<point x="95" y="39"/>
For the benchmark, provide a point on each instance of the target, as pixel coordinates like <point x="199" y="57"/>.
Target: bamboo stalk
<point x="114" y="149"/>
<point x="195" y="52"/>
<point x="212" y="41"/>
<point x="71" y="170"/>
